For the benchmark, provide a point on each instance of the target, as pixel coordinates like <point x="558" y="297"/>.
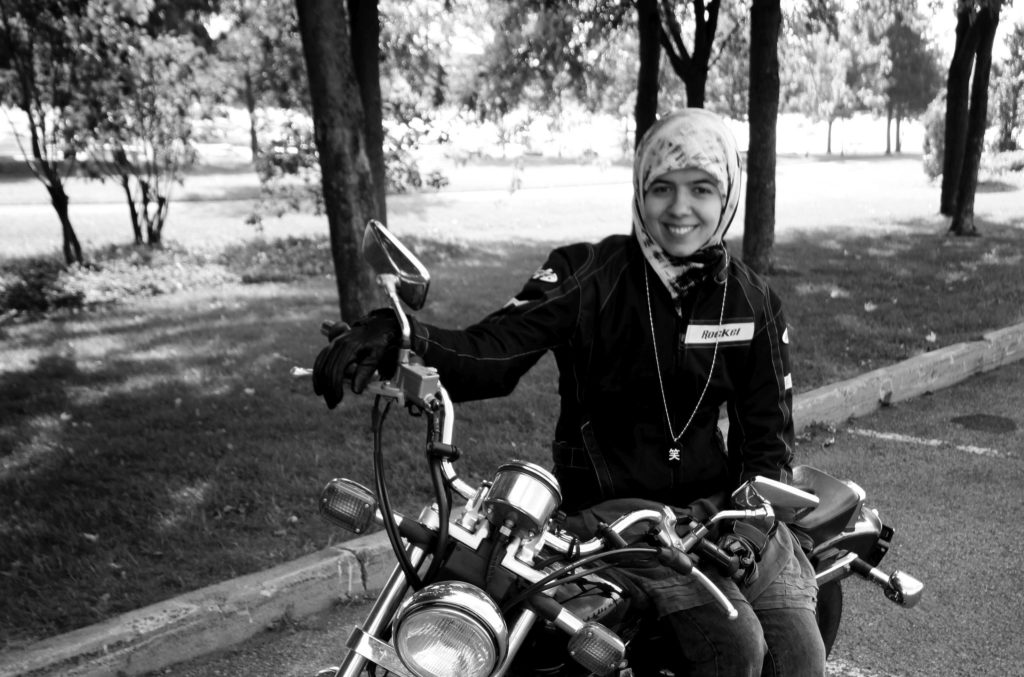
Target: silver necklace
<point x="674" y="452"/>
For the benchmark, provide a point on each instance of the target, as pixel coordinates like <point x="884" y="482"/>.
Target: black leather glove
<point x="369" y="345"/>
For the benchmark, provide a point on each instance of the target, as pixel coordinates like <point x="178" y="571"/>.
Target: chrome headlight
<point x="450" y="629"/>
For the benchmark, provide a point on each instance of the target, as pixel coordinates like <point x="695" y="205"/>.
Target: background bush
<point x="934" y="145"/>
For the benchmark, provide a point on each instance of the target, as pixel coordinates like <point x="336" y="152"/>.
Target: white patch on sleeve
<point x="705" y="334"/>
<point x="788" y="381"/>
<point x="514" y="303"/>
<point x="785" y="336"/>
<point x="545" y="275"/>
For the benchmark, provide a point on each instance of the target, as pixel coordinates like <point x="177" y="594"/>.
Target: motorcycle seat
<point x="837" y="507"/>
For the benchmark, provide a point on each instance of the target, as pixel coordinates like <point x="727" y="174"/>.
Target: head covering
<point x="692" y="138"/>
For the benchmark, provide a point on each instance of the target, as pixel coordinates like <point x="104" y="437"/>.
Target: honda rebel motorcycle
<point x="488" y="581"/>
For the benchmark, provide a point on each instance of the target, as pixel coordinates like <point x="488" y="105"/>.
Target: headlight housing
<point x="450" y="629"/>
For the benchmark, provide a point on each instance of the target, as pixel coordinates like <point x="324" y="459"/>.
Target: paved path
<point x="557" y="204"/>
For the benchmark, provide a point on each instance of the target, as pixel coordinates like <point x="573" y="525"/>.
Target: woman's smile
<point x="682" y="209"/>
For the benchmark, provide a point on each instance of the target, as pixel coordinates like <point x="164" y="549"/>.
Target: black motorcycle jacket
<point x="594" y="306"/>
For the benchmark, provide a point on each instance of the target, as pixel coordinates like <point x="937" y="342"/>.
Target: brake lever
<point x="723" y="601"/>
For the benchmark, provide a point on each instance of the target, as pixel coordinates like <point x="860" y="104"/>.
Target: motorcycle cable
<point x="443" y="497"/>
<point x="436" y="455"/>
<point x="560" y="576"/>
<point x="390" y="527"/>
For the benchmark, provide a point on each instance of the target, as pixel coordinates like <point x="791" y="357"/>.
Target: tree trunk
<point x="155" y="225"/>
<point x="649" y="29"/>
<point x="899" y="120"/>
<point x="136" y="227"/>
<point x="888" y="128"/>
<point x="71" y="247"/>
<point x="348" y="185"/>
<point x="695" y="88"/>
<point x="364" y="20"/>
<point x="963" y="216"/>
<point x="957" y="103"/>
<point x="250" y="105"/>
<point x="828" y="137"/>
<point x="759" y="216"/>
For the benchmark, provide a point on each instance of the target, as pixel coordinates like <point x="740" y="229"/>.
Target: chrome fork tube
<point x="516" y="638"/>
<point x="382" y="612"/>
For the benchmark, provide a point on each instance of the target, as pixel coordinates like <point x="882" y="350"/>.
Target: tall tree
<point x="263" y="66"/>
<point x="40" y="41"/>
<point x="913" y="77"/>
<point x="339" y="125"/>
<point x="134" y="113"/>
<point x="967" y="110"/>
<point x="819" y="76"/>
<point x="759" y="214"/>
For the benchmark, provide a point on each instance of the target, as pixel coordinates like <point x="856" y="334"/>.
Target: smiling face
<point x="682" y="209"/>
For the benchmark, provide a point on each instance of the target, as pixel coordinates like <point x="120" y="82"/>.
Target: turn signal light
<point x="597" y="648"/>
<point x="348" y="505"/>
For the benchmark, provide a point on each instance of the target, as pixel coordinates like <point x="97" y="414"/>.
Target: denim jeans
<point x="770" y="642"/>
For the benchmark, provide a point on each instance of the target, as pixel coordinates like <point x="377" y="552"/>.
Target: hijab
<point x="692" y="138"/>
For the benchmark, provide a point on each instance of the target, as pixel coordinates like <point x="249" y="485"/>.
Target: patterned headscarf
<point x="690" y="139"/>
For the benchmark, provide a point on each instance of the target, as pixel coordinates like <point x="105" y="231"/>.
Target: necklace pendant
<point x="674" y="454"/>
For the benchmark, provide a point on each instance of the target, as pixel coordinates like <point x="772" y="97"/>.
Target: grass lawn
<point x="159" y="445"/>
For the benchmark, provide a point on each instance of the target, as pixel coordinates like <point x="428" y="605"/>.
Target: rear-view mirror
<point x="388" y="256"/>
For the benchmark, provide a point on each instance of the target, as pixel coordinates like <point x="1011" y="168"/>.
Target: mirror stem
<point x="390" y="285"/>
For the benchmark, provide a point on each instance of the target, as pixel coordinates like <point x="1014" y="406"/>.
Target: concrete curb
<point x="210" y="618"/>
<point x="224" y="614"/>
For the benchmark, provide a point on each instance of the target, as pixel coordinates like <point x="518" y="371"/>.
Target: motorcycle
<point x="498" y="586"/>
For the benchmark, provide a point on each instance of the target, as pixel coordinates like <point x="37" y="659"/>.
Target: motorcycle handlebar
<point x="726" y="563"/>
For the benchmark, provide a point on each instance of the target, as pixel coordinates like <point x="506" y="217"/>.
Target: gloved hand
<point x="370" y="344"/>
<point x="745" y="554"/>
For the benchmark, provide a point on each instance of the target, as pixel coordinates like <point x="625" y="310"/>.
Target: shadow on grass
<point x="161" y="446"/>
<point x="997" y="186"/>
<point x="857" y="302"/>
<point x="134" y="447"/>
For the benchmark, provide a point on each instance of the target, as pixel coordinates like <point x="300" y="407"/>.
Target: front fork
<point x="364" y="644"/>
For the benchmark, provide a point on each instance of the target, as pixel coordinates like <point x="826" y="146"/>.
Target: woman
<point x="652" y="333"/>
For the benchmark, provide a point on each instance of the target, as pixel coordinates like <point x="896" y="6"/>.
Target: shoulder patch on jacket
<point x="545" y="275"/>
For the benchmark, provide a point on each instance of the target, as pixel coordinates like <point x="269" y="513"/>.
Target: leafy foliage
<point x="115" y="274"/>
<point x="1008" y="113"/>
<point x="134" y="113"/>
<point x="262" y="64"/>
<point x="543" y="52"/>
<point x="913" y="77"/>
<point x="289" y="167"/>
<point x="40" y="77"/>
<point x="934" y="136"/>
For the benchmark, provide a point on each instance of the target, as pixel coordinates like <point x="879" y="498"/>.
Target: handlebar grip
<point x="726" y="563"/>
